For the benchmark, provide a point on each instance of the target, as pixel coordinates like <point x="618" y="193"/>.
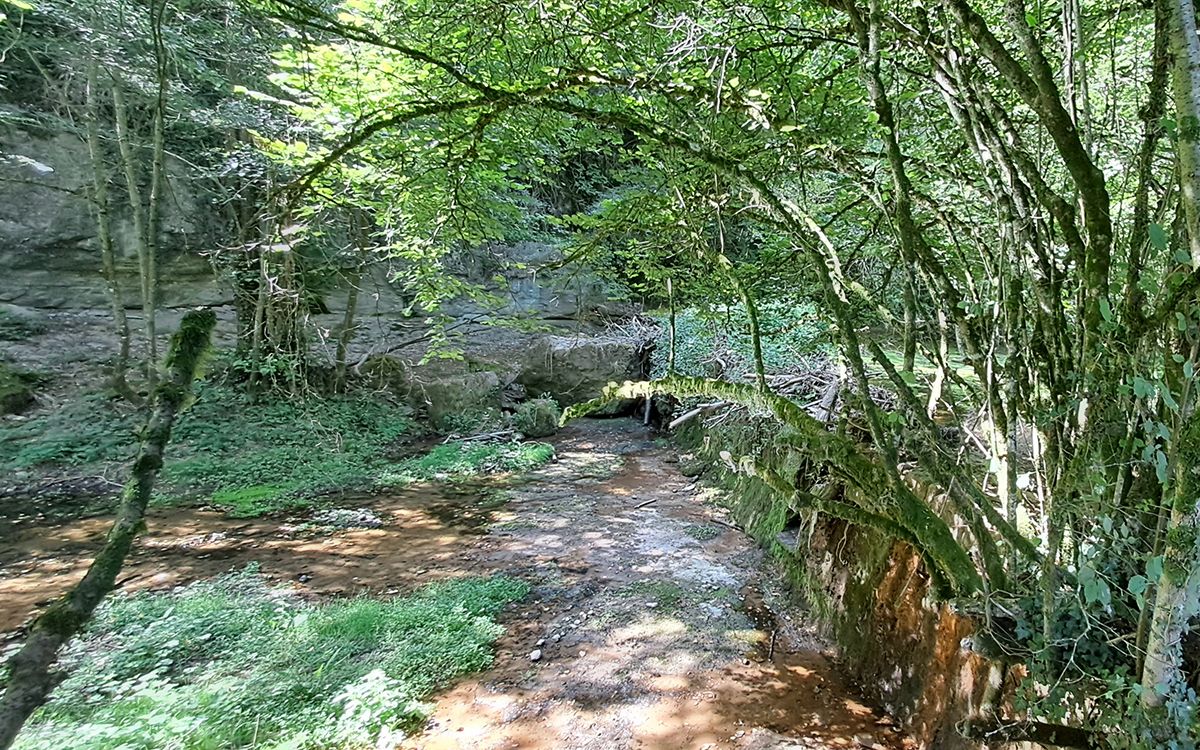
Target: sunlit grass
<point x="235" y="663"/>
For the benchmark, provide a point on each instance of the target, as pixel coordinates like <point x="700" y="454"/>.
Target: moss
<point x="16" y="390"/>
<point x="61" y="619"/>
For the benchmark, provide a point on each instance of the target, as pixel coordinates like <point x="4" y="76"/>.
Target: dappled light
<point x="599" y="374"/>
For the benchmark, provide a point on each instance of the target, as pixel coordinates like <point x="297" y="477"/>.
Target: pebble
<point x="540" y="642"/>
<point x="535" y="655"/>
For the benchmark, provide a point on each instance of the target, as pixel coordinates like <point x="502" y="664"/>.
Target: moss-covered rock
<point x="16" y="390"/>
<point x="449" y="392"/>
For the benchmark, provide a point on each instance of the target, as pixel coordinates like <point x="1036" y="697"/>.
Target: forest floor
<point x="653" y="622"/>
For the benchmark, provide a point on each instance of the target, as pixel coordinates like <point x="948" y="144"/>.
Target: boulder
<point x="537" y="418"/>
<point x="572" y="370"/>
<point x="449" y="392"/>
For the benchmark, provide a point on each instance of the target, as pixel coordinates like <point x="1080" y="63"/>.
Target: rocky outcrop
<point x="566" y="369"/>
<point x="574" y="369"/>
<point x="48" y="245"/>
<point x="447" y="392"/>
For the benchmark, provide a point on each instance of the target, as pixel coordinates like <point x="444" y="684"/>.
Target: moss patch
<point x="16" y="390"/>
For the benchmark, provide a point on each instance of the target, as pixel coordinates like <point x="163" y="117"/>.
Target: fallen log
<point x="699" y="410"/>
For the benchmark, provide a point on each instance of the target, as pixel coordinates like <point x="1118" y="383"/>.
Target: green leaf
<point x="1167" y="398"/>
<point x="1142" y="388"/>
<point x="1154" y="567"/>
<point x="1158" y="236"/>
<point x="1106" y="310"/>
<point x="1137" y="585"/>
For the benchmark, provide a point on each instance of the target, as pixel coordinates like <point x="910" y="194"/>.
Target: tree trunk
<point x="31" y="677"/>
<point x="141" y="228"/>
<point x="1185" y="49"/>
<point x="345" y="335"/>
<point x="1175" y="595"/>
<point x="108" y="263"/>
<point x="1175" y="600"/>
<point x="153" y="202"/>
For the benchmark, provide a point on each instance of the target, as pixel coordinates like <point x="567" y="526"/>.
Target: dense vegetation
<point x="982" y="215"/>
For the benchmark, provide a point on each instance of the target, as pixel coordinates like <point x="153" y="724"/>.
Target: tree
<point x="31" y="677"/>
<point x="984" y="135"/>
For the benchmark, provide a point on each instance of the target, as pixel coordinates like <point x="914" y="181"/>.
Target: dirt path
<point x="650" y="623"/>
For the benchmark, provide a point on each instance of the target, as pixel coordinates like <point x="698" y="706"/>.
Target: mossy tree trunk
<point x="31" y="673"/>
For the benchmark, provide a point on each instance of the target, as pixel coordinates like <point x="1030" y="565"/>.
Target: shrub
<point x="716" y="343"/>
<point x="537" y="417"/>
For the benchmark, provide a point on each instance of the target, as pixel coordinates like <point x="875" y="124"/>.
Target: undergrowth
<point x="460" y="460"/>
<point x="232" y="663"/>
<point x="255" y="458"/>
<point x="715" y="342"/>
<point x="281" y="454"/>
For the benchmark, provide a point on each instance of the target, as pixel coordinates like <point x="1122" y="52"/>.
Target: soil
<point x="653" y="621"/>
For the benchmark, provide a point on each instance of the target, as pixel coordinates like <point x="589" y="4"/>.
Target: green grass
<point x="233" y="663"/>
<point x="461" y="460"/>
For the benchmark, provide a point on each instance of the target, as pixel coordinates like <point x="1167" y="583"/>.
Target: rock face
<point x="567" y="369"/>
<point x="48" y="245"/>
<point x="572" y="370"/>
<point x="445" y="390"/>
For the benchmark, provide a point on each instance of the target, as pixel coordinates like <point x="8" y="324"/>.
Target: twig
<point x="480" y="437"/>
<point x="643" y="505"/>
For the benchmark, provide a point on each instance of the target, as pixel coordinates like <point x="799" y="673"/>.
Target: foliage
<point x="463" y="459"/>
<point x="232" y="662"/>
<point x="714" y="342"/>
<point x="281" y="453"/>
<point x="275" y="455"/>
<point x="703" y="532"/>
<point x="85" y="431"/>
<point x="1004" y="185"/>
<point x="537" y="417"/>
